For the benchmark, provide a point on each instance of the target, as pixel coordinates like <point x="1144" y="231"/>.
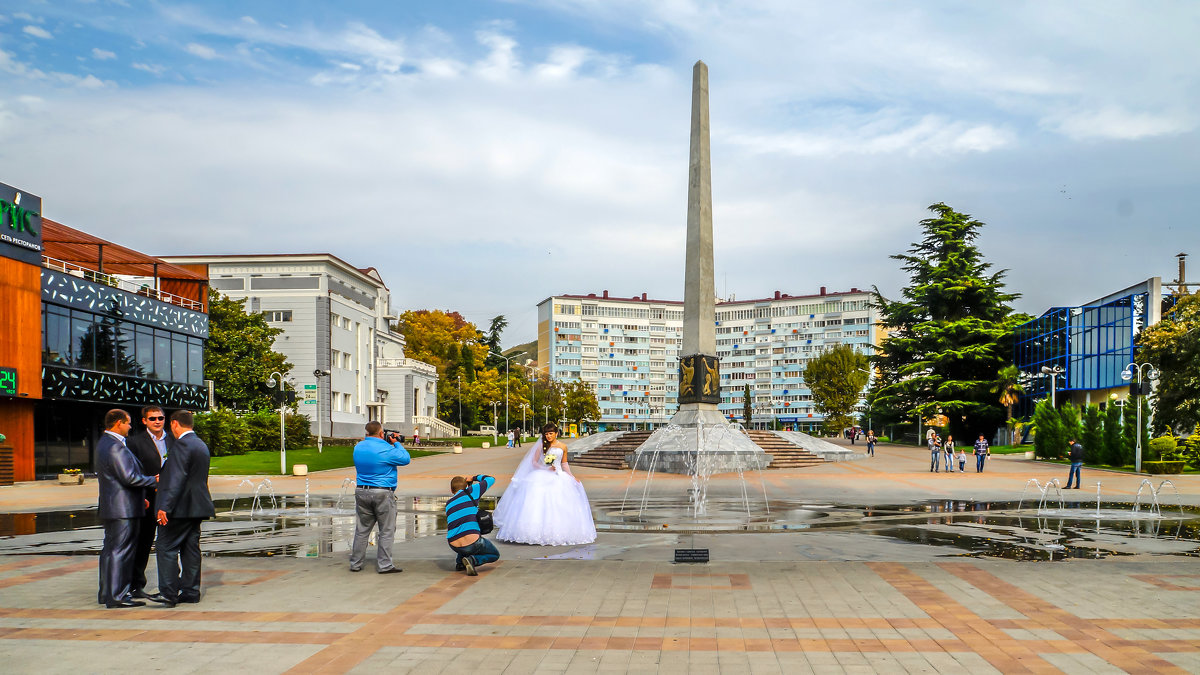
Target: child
<point x="962" y="460"/>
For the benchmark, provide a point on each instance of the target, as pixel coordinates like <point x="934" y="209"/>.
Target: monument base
<point x="699" y="441"/>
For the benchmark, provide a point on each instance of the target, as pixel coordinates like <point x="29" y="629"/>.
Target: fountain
<point x="346" y="483"/>
<point x="238" y="492"/>
<point x="257" y="503"/>
<point x="1155" y="509"/>
<point x="1044" y="490"/>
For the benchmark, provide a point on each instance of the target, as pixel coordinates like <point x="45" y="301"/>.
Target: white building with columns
<point x="335" y="318"/>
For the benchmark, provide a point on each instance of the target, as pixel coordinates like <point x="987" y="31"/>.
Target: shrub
<point x="1093" y="435"/>
<point x="1161" y="448"/>
<point x="1048" y="438"/>
<point x="223" y="431"/>
<point x="1163" y="467"/>
<point x="1191" y="447"/>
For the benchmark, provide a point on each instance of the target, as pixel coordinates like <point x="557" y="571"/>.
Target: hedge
<point x="1163" y="467"/>
<point x="226" y="433"/>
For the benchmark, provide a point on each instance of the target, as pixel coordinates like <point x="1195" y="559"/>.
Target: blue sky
<point x="485" y="155"/>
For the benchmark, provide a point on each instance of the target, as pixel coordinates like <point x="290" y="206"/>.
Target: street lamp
<point x="1127" y="375"/>
<point x="494" y="404"/>
<point x="271" y="380"/>
<point x="318" y="373"/>
<point x="460" y="424"/>
<point x="506" y="366"/>
<point x="1054" y="373"/>
<point x="523" y="409"/>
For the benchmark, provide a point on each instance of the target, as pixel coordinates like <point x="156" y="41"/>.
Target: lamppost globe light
<point x="1126" y="375"/>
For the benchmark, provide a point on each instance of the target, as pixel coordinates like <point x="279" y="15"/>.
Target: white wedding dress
<point x="544" y="504"/>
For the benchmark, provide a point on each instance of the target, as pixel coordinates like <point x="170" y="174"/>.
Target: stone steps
<point x="611" y="455"/>
<point x="785" y="454"/>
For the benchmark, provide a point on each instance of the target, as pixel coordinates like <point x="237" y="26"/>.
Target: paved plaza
<point x="798" y="601"/>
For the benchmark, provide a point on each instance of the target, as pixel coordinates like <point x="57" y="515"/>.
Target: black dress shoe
<point x="188" y="600"/>
<point x="139" y="593"/>
<point x="391" y="570"/>
<point x="161" y="599"/>
<point x="118" y="604"/>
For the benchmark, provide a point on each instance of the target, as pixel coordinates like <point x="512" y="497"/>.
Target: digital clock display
<point x="8" y="382"/>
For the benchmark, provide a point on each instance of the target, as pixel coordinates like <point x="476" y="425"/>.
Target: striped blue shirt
<point x="462" y="511"/>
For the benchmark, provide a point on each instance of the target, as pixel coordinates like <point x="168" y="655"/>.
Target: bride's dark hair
<point x="545" y="430"/>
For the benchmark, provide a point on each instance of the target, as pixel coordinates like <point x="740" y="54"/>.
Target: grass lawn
<point x="1010" y="449"/>
<point x="478" y="441"/>
<point x="267" y="463"/>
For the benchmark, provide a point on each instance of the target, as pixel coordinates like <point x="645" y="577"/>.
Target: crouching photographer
<point x="466" y="524"/>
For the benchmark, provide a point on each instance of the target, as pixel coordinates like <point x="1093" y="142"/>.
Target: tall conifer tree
<point x="951" y="331"/>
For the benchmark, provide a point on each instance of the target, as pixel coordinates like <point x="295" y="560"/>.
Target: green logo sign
<point x="8" y="382"/>
<point x="20" y="225"/>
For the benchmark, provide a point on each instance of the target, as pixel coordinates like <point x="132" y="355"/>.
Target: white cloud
<point x="1113" y="122"/>
<point x="152" y="68"/>
<point x="202" y="51"/>
<point x="102" y="54"/>
<point x="37" y="32"/>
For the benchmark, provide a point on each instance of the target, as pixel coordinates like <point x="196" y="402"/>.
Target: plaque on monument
<point x="699" y="379"/>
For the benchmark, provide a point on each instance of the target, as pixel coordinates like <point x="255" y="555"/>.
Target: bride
<point x="545" y="504"/>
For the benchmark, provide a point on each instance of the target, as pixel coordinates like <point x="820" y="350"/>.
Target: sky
<point x="486" y="155"/>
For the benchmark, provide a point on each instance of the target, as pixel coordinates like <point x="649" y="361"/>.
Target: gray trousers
<point x="373" y="507"/>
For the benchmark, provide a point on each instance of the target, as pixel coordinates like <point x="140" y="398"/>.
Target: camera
<point x="392" y="436"/>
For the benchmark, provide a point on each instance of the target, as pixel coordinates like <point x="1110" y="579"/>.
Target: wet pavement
<point x="871" y="566"/>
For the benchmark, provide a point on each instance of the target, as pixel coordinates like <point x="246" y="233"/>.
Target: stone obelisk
<point x="699" y="377"/>
<point x="699" y="440"/>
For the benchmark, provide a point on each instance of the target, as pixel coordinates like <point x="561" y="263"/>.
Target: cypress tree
<point x="1128" y="433"/>
<point x="951" y="331"/>
<point x="1047" y="439"/>
<point x="1069" y="414"/>
<point x="1114" y="434"/>
<point x="1093" y="435"/>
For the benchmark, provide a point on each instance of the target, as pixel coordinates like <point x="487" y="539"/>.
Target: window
<point x="337" y="401"/>
<point x="278" y="315"/>
<point x="347" y="362"/>
<point x="347" y="403"/>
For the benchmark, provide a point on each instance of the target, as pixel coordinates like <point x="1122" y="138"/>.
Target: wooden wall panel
<point x="21" y="349"/>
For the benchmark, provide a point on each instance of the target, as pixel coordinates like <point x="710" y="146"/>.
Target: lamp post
<point x="494" y="404"/>
<point x="523" y="409"/>
<point x="1054" y="373"/>
<point x="460" y="424"/>
<point x="1127" y="375"/>
<point x="506" y="366"/>
<point x="271" y="380"/>
<point x="546" y="414"/>
<point x="318" y="373"/>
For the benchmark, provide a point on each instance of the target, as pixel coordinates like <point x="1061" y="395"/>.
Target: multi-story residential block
<point x="335" y="318"/>
<point x="627" y="349"/>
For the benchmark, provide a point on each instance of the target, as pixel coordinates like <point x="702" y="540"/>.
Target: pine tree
<point x="1128" y="433"/>
<point x="1071" y="431"/>
<point x="951" y="331"/>
<point x="747" y="406"/>
<point x="1093" y="435"/>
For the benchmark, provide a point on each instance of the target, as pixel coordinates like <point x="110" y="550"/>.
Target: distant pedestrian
<point x="416" y="435"/>
<point x="981" y="453"/>
<point x="1076" y="455"/>
<point x="510" y="439"/>
<point x="871" y="440"/>
<point x="962" y="460"/>
<point x="852" y="435"/>
<point x="935" y="452"/>
<point x="948" y="453"/>
<point x="519" y="433"/>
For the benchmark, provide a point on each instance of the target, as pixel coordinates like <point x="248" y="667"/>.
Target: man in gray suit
<point x="121" y="505"/>
<point x="183" y="503"/>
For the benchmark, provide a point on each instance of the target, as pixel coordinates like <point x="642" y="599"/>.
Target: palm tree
<point x="1008" y="385"/>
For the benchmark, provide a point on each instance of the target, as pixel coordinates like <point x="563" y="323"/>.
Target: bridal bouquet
<point x="548" y="459"/>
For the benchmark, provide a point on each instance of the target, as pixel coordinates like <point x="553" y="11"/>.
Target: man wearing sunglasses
<point x="150" y="447"/>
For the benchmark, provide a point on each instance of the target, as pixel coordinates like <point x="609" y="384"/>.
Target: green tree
<point x="1071" y="428"/>
<point x="238" y="356"/>
<point x="1048" y="438"/>
<point x="951" y="332"/>
<point x="1114" y="436"/>
<point x="1172" y="346"/>
<point x="836" y="378"/>
<point x="581" y="403"/>
<point x="492" y="342"/>
<point x="1093" y="435"/>
<point x="747" y="405"/>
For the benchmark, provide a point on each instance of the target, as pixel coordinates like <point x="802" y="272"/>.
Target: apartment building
<point x="335" y="318"/>
<point x="627" y="349"/>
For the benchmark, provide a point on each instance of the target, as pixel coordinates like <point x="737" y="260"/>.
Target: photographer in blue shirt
<point x="375" y="460"/>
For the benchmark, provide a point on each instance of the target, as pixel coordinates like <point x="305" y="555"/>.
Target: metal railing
<point x="120" y="283"/>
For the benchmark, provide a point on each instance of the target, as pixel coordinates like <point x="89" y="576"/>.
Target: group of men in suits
<point x="153" y="486"/>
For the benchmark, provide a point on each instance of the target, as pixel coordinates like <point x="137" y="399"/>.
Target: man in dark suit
<point x="183" y="503"/>
<point x="150" y="448"/>
<point x="121" y="506"/>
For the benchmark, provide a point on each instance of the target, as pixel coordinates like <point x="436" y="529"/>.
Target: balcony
<point x="128" y="284"/>
<point x="416" y="366"/>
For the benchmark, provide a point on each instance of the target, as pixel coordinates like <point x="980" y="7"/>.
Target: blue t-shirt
<point x="462" y="511"/>
<point x="375" y="461"/>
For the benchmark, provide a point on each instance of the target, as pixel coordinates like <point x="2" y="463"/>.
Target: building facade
<point x="627" y="349"/>
<point x="336" y="319"/>
<point x="1089" y="345"/>
<point x="89" y="325"/>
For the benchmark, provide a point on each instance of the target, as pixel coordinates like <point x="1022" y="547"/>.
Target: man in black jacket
<point x="1076" y="455"/>
<point x="150" y="448"/>
<point x="183" y="503"/>
<point x="121" y="506"/>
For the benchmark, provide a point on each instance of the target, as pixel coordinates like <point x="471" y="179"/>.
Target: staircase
<point x="786" y="455"/>
<point x="611" y="455"/>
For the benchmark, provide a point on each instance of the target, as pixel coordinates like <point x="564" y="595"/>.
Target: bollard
<point x="299" y="469"/>
<point x="486" y="445"/>
<point x="458" y="449"/>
